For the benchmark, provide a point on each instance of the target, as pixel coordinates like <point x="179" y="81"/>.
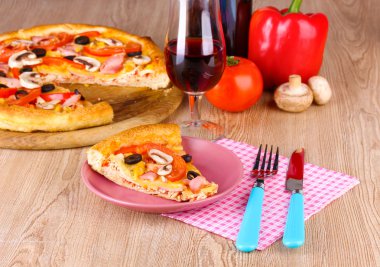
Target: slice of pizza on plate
<point x="151" y="159"/>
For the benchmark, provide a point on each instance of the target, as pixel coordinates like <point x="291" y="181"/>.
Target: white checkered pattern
<point x="321" y="186"/>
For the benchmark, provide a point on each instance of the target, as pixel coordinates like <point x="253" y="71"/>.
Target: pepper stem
<point x="295" y="6"/>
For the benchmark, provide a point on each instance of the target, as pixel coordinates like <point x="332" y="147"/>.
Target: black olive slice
<point x="133" y="54"/>
<point x="25" y="69"/>
<point x="187" y="158"/>
<point x="3" y="86"/>
<point x="20" y="93"/>
<point x="191" y="175"/>
<point x="76" y="91"/>
<point x="47" y="88"/>
<point x="133" y="159"/>
<point x="82" y="40"/>
<point x="40" y="52"/>
<point x="3" y="74"/>
<point x="70" y="57"/>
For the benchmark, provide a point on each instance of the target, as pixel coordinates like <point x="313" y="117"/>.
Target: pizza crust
<point x="163" y="134"/>
<point x="158" y="79"/>
<point x="113" y="174"/>
<point x="24" y="119"/>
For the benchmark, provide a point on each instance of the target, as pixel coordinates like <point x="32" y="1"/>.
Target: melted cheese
<point x="51" y="53"/>
<point x="57" y="70"/>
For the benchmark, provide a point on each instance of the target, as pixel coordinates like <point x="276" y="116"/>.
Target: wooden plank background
<point x="49" y="218"/>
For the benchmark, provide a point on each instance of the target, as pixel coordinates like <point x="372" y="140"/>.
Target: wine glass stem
<point x="194" y="104"/>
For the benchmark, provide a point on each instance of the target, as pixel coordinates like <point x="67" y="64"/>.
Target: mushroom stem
<point x="294" y="81"/>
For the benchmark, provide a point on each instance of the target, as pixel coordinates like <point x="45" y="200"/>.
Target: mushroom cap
<point x="321" y="89"/>
<point x="293" y="99"/>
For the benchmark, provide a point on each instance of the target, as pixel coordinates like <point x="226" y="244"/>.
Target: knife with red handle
<point x="294" y="234"/>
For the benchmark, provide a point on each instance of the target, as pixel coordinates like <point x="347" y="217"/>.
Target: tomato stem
<point x="232" y="61"/>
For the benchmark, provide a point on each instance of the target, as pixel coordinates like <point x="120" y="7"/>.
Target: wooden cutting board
<point x="132" y="107"/>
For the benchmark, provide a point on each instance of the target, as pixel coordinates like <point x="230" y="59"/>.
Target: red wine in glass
<point x="195" y="71"/>
<point x="195" y="57"/>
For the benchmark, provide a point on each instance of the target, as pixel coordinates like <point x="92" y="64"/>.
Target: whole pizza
<point x="35" y="62"/>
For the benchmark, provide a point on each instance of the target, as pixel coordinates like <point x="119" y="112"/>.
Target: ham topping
<point x="197" y="184"/>
<point x="152" y="167"/>
<point x="71" y="101"/>
<point x="151" y="176"/>
<point x="113" y="64"/>
<point x="68" y="50"/>
<point x="4" y="68"/>
<point x="21" y="43"/>
<point x="42" y="40"/>
<point x="10" y="82"/>
<point x="178" y="189"/>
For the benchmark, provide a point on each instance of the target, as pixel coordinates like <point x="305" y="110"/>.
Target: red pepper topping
<point x="7" y="92"/>
<point x="59" y="61"/>
<point x="31" y="96"/>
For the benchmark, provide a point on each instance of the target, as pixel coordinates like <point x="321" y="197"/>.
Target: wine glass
<point x="195" y="57"/>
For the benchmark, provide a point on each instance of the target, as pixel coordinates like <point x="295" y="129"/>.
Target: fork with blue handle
<point x="248" y="237"/>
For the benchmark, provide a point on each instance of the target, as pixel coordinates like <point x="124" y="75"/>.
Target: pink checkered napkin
<point x="321" y="186"/>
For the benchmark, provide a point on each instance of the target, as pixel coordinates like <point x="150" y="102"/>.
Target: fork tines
<point x="262" y="172"/>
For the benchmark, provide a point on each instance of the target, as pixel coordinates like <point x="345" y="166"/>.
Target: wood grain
<point x="132" y="107"/>
<point x="49" y="218"/>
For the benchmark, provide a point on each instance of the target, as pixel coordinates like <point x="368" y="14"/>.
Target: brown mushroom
<point x="293" y="96"/>
<point x="321" y="89"/>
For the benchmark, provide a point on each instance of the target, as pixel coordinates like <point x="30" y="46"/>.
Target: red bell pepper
<point x="60" y="61"/>
<point x="287" y="42"/>
<point x="57" y="96"/>
<point x="7" y="92"/>
<point x="31" y="96"/>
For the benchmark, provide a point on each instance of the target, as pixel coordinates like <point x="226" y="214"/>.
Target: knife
<point x="294" y="234"/>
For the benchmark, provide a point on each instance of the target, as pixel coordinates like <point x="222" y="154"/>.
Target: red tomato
<point x="132" y="47"/>
<point x="60" y="39"/>
<point x="240" y="87"/>
<point x="7" y="50"/>
<point x="179" y="165"/>
<point x="60" y="60"/>
<point x="57" y="96"/>
<point x="103" y="52"/>
<point x="90" y="34"/>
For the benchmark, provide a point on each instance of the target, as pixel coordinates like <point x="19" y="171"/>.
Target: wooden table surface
<point x="49" y="218"/>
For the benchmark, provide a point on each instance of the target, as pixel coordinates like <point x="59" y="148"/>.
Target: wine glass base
<point x="202" y="129"/>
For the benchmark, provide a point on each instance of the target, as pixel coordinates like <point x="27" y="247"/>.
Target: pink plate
<point x="217" y="163"/>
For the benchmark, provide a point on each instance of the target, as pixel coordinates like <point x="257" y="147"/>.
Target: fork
<point x="248" y="237"/>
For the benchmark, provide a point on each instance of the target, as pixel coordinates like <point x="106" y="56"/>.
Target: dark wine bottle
<point x="236" y="15"/>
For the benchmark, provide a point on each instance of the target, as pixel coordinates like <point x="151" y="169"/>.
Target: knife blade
<point x="294" y="233"/>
